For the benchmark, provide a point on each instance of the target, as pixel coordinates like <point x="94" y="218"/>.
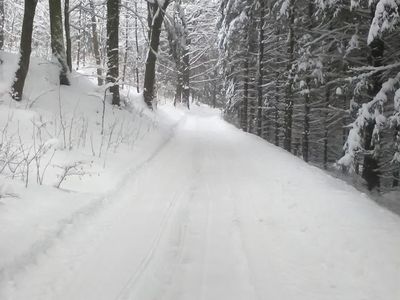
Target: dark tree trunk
<point x="179" y="85"/>
<point x="307" y="96"/>
<point x="96" y="44"/>
<point x="126" y="47"/>
<point x="179" y="49"/>
<point x="185" y="59"/>
<point x="396" y="176"/>
<point x="112" y="49"/>
<point x="186" y="76"/>
<point x="1" y="24"/>
<point x="252" y="106"/>
<point x="137" y="49"/>
<point x="67" y="34"/>
<point x="288" y="117"/>
<point x="396" y="172"/>
<point x="78" y="52"/>
<point x="57" y="39"/>
<point x="245" y="106"/>
<point x="276" y="124"/>
<point x="25" y="49"/>
<point x="276" y="108"/>
<point x="214" y="94"/>
<point x="84" y="43"/>
<point x="370" y="170"/>
<point x="326" y="128"/>
<point x="260" y="82"/>
<point x="156" y="17"/>
<point x="306" y="129"/>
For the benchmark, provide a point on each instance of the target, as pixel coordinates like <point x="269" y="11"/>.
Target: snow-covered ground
<point x="214" y="213"/>
<point x="51" y="129"/>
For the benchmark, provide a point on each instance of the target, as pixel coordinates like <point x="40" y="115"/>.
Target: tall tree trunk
<point x="185" y="57"/>
<point x="1" y="24"/>
<point x="186" y="76"/>
<point x="214" y="92"/>
<point x="84" y="48"/>
<point x="57" y="39"/>
<point x="370" y="170"/>
<point x="276" y="120"/>
<point x="96" y="44"/>
<point x="112" y="49"/>
<point x="156" y="14"/>
<point x="252" y="106"/>
<point x="326" y="127"/>
<point x="288" y="117"/>
<point x="67" y="34"/>
<point x="245" y="106"/>
<point x="25" y="49"/>
<point x="396" y="172"/>
<point x="306" y="125"/>
<point x="179" y="85"/>
<point x="260" y="74"/>
<point x="126" y="47"/>
<point x="307" y="95"/>
<point x="78" y="52"/>
<point x="137" y="49"/>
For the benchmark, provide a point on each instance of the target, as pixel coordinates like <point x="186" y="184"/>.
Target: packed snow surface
<point x="215" y="213"/>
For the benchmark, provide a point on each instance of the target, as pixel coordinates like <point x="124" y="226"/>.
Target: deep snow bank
<point x="53" y="138"/>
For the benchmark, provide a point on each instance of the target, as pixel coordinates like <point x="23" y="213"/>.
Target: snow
<point x="32" y="218"/>
<point x="385" y="19"/>
<point x="181" y="205"/>
<point x="371" y="111"/>
<point x="214" y="213"/>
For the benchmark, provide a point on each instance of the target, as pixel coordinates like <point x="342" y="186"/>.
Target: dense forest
<point x="317" y="78"/>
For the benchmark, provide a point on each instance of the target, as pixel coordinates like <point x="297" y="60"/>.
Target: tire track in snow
<point x="175" y="210"/>
<point x="124" y="294"/>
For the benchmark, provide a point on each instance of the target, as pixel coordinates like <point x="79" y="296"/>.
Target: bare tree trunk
<point x="137" y="49"/>
<point x="126" y="48"/>
<point x="288" y="118"/>
<point x="84" y="48"/>
<point x="57" y="39"/>
<point x="67" y="34"/>
<point x="96" y="44"/>
<point x="25" y="49"/>
<point x="156" y="14"/>
<point x="326" y="128"/>
<point x="245" y="106"/>
<point x="112" y="49"/>
<point x="186" y="76"/>
<point x="185" y="57"/>
<point x="78" y="52"/>
<point x="1" y="24"/>
<point x="260" y="74"/>
<point x="179" y="84"/>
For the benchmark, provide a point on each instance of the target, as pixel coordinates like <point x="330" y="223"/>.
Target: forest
<point x="317" y="78"/>
<point x="200" y="149"/>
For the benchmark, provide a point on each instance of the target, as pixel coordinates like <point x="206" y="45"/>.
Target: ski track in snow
<point x="216" y="213"/>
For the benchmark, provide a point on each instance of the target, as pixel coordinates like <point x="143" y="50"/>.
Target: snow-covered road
<point x="219" y="214"/>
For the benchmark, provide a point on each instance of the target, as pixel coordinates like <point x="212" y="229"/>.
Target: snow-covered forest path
<point x="219" y="214"/>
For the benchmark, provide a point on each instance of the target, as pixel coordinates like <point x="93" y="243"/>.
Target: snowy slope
<point x="219" y="214"/>
<point x="33" y="218"/>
